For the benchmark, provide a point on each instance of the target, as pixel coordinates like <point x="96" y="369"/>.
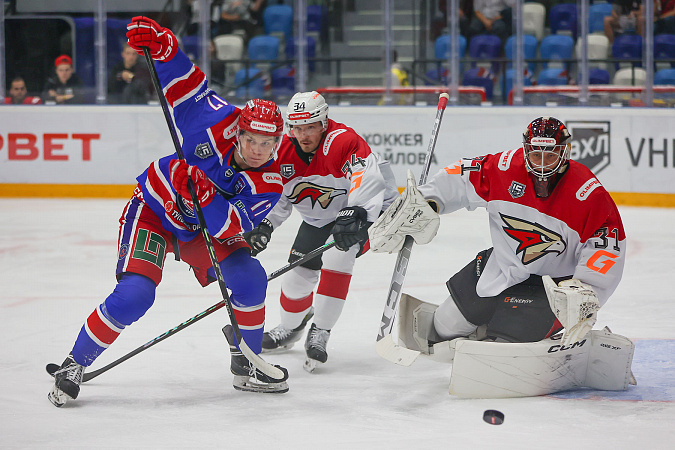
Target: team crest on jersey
<point x="229" y="172"/>
<point x="124" y="251"/>
<point x="534" y="241"/>
<point x="315" y="193"/>
<point x="287" y="170"/>
<point x="516" y="189"/>
<point x="203" y="151"/>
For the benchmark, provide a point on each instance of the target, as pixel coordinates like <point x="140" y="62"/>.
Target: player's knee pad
<point x="134" y="294"/>
<point x="299" y="282"/>
<point x="245" y="277"/>
<point x="339" y="261"/>
<point x="449" y="322"/>
<point x="462" y="286"/>
<point x="522" y="313"/>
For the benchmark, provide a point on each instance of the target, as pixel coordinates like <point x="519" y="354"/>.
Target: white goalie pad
<point x="409" y="214"/>
<point x="575" y="305"/>
<point x="483" y="369"/>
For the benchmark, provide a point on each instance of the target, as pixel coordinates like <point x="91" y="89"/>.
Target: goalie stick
<point x="385" y="345"/>
<point x="52" y="367"/>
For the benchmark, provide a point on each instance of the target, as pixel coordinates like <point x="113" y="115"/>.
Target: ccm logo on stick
<point x="26" y="146"/>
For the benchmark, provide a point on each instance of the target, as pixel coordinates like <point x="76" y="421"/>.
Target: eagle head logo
<point x="317" y="194"/>
<point x="534" y="241"/>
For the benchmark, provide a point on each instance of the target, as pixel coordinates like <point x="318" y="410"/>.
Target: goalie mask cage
<point x="598" y="95"/>
<point x="422" y="96"/>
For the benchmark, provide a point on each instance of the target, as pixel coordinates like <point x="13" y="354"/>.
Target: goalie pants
<point x="143" y="244"/>
<point x="332" y="271"/>
<point x="519" y="314"/>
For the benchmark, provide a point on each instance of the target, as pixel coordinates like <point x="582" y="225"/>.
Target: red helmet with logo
<point x="261" y="117"/>
<point x="547" y="151"/>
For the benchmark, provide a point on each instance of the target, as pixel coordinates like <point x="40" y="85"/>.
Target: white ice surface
<point x="57" y="262"/>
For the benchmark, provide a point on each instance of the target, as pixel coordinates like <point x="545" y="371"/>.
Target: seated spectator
<point x="664" y="20"/>
<point x="439" y="25"/>
<point x="18" y="94"/>
<point x="240" y="15"/>
<point x="65" y="88"/>
<point x="129" y="81"/>
<point x="627" y="17"/>
<point x="492" y="17"/>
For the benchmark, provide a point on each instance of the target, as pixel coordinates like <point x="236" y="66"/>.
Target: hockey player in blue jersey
<point x="229" y="155"/>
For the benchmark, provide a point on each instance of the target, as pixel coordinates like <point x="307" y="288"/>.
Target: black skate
<point x="315" y="346"/>
<point x="66" y="382"/>
<point x="281" y="338"/>
<point x="246" y="376"/>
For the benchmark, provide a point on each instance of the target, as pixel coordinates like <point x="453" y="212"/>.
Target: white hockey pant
<point x="450" y="323"/>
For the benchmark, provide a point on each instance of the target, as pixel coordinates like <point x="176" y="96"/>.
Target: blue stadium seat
<point x="555" y="47"/>
<point x="509" y="77"/>
<point x="247" y="86"/>
<point x="552" y="77"/>
<point x="437" y="76"/>
<point x="291" y="47"/>
<point x="563" y="17"/>
<point x="278" y="19"/>
<point x="190" y="46"/>
<point x="627" y="46"/>
<point x="487" y="47"/>
<point x="596" y="16"/>
<point x="597" y="76"/>
<point x="263" y="48"/>
<point x="481" y="77"/>
<point x="529" y="48"/>
<point x="442" y="46"/>
<point x="665" y="76"/>
<point x="317" y="17"/>
<point x="664" y="47"/>
<point x="283" y="82"/>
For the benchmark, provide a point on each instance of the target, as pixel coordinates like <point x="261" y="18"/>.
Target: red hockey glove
<point x="144" y="32"/>
<point x="180" y="171"/>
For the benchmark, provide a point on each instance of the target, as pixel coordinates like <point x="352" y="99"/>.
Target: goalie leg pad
<point x="416" y="324"/>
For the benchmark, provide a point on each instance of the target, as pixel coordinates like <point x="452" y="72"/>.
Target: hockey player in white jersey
<point x="555" y="230"/>
<point x="339" y="187"/>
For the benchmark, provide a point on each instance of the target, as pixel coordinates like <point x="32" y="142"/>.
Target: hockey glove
<point x="351" y="227"/>
<point x="575" y="305"/>
<point x="259" y="237"/>
<point x="180" y="171"/>
<point x="145" y="32"/>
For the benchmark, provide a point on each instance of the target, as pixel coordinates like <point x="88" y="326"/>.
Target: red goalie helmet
<point x="547" y="151"/>
<point x="261" y="117"/>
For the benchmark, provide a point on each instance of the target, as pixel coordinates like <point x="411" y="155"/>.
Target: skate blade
<point x="244" y="383"/>
<point x="280" y="349"/>
<point x="311" y="364"/>
<point x="57" y="397"/>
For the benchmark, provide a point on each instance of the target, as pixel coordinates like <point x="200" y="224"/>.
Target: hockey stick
<point x="385" y="345"/>
<point x="52" y="367"/>
<point x="265" y="367"/>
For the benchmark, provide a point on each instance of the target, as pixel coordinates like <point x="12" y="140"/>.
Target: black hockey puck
<point x="493" y="417"/>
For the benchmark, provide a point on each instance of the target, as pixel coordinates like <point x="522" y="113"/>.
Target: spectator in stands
<point x="440" y="23"/>
<point x="18" y="94"/>
<point x="129" y="81"/>
<point x="627" y="18"/>
<point x="491" y="17"/>
<point x="243" y="15"/>
<point x="65" y="87"/>
<point x="664" y="20"/>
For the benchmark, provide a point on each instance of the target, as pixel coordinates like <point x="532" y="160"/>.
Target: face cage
<point x="542" y="172"/>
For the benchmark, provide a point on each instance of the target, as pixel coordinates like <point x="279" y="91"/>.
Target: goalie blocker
<point x="488" y="369"/>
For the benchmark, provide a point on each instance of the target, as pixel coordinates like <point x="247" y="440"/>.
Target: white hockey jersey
<point x="576" y="231"/>
<point x="343" y="172"/>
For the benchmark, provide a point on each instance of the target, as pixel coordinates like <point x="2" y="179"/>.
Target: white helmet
<point x="307" y="107"/>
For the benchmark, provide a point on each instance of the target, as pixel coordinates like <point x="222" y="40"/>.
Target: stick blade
<point x="397" y="354"/>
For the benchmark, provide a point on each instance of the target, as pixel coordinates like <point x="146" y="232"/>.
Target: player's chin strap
<point x="575" y="305"/>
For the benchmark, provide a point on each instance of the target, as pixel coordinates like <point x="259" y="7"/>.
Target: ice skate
<point x="66" y="382"/>
<point x="281" y="338"/>
<point x="246" y="376"/>
<point x="315" y="346"/>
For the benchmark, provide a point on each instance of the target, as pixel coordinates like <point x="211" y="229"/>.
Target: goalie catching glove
<point x="180" y="171"/>
<point x="575" y="305"/>
<point x="410" y="214"/>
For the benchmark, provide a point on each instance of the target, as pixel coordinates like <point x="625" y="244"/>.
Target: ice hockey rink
<point x="57" y="263"/>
